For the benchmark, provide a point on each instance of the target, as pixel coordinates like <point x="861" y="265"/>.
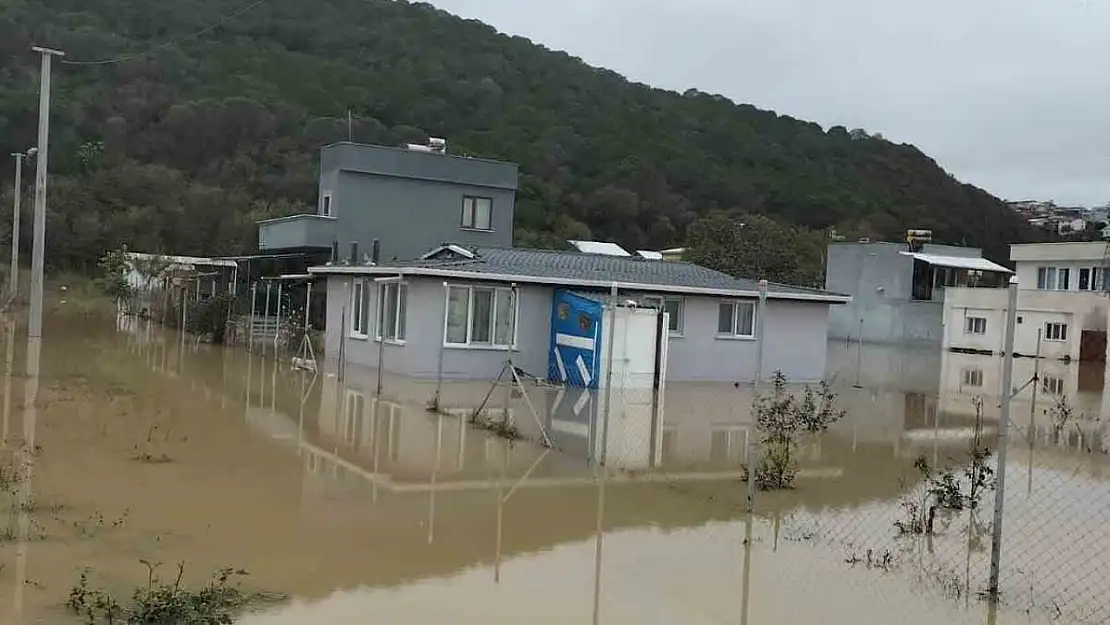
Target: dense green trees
<point x="183" y="148"/>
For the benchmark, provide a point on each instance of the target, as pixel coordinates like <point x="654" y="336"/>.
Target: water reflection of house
<point x="1077" y="388"/>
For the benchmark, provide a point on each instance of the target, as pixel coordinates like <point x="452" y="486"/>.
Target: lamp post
<point x="13" y="279"/>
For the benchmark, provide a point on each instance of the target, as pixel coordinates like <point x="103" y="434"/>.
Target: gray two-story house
<point x="898" y="289"/>
<point x="408" y="199"/>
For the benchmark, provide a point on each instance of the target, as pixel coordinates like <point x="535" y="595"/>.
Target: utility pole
<point x="13" y="280"/>
<point x="34" y="324"/>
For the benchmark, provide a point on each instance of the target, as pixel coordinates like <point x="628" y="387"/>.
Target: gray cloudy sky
<point x="1011" y="95"/>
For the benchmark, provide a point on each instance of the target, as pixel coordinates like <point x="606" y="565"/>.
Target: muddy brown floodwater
<point x="363" y="509"/>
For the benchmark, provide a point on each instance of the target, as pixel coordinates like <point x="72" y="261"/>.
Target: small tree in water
<point x="781" y="419"/>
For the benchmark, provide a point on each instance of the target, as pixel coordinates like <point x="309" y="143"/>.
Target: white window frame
<point x="514" y="311"/>
<point x="737" y="304"/>
<point x="1094" y="279"/>
<point x="1052" y="385"/>
<point x="400" y="325"/>
<point x="1050" y="278"/>
<point x="660" y="302"/>
<point x="470" y="216"/>
<point x="975" y="325"/>
<point x="1060" y="335"/>
<point x="325" y="205"/>
<point x="358" y="325"/>
<point x="973" y="377"/>
<point x="354" y="406"/>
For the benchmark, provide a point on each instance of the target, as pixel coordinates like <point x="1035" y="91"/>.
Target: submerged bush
<point x="781" y="419"/>
<point x="218" y="602"/>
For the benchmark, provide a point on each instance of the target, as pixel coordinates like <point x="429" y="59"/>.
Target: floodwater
<point x="366" y="507"/>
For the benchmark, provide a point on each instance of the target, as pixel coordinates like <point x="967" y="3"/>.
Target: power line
<point x="173" y="42"/>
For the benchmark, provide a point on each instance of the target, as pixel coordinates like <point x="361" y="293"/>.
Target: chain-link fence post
<point x="1006" y="393"/>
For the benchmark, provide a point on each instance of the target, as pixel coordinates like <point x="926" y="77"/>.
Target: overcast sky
<point x="1011" y="95"/>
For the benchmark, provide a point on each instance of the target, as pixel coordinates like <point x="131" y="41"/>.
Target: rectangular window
<point x="392" y="305"/>
<point x="355" y="405"/>
<point x="973" y="377"/>
<point x="673" y="306"/>
<point x="1085" y="283"/>
<point x="1052" y="385"/>
<point x="1062" y="276"/>
<point x="1055" y="331"/>
<point x="477" y="213"/>
<point x="975" y="325"/>
<point x="480" y="316"/>
<point x="360" y="309"/>
<point x="325" y="206"/>
<point x="736" y="319"/>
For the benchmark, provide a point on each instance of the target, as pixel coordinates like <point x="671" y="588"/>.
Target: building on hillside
<point x="1061" y="300"/>
<point x="898" y="289"/>
<point x="460" y="312"/>
<point x="408" y="200"/>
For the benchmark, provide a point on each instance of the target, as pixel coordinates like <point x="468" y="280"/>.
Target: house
<point x="460" y="311"/>
<point x="374" y="193"/>
<point x="898" y="289"/>
<point x="1062" y="307"/>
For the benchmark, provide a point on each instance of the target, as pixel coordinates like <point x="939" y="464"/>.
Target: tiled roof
<point x="577" y="267"/>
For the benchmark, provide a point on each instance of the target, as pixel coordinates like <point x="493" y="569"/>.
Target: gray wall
<point x="796" y="336"/>
<point x="412" y="201"/>
<point x="880" y="278"/>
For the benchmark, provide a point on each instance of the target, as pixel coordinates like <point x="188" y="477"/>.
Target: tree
<point x="756" y="247"/>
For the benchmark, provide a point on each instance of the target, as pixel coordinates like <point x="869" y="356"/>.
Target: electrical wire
<point x="173" y="42"/>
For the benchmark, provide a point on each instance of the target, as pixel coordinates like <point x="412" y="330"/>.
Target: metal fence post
<point x="610" y="332"/>
<point x="1003" y="439"/>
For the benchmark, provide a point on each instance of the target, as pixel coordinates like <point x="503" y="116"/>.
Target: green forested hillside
<point x="183" y="148"/>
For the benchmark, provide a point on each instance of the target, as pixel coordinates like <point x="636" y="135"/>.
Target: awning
<point x="959" y="262"/>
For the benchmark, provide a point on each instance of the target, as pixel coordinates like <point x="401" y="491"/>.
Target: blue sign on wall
<point x="575" y="354"/>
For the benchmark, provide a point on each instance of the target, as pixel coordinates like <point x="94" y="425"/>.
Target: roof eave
<point x="428" y="272"/>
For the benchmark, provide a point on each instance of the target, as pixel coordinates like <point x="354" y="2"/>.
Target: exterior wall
<point x="1073" y="251"/>
<point x="796" y="339"/>
<point x="412" y="201"/>
<point x="296" y="231"/>
<point x="1080" y="311"/>
<point x="1026" y="271"/>
<point x="880" y="280"/>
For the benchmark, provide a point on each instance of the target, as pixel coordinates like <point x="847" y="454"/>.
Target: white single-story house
<point x="460" y="312"/>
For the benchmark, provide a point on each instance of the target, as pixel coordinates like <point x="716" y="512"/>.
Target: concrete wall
<point x="1071" y="251"/>
<point x="879" y="277"/>
<point x="1026" y="271"/>
<point x="412" y="201"/>
<point x="1080" y="311"/>
<point x="795" y="334"/>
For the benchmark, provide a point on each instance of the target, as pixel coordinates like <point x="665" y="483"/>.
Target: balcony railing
<point x="297" y="231"/>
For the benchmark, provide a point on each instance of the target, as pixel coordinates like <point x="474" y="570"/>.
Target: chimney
<point x="375" y="252"/>
<point x="354" y="252"/>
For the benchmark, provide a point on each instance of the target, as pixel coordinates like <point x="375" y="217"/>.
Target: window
<point x="477" y="213"/>
<point x="973" y="377"/>
<point x="392" y="303"/>
<point x="975" y="325"/>
<point x="325" y="206"/>
<point x="480" y="316"/>
<point x="673" y="305"/>
<point x="1052" y="385"/>
<point x="1090" y="279"/>
<point x="360" y="309"/>
<point x="354" y="405"/>
<point x="736" y="319"/>
<point x="1053" y="278"/>
<point x="1055" y="331"/>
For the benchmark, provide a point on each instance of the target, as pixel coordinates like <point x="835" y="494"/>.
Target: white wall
<point x="1026" y="271"/>
<point x="1080" y="311"/>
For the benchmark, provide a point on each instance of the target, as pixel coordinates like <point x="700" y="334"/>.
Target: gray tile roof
<point x="575" y="267"/>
